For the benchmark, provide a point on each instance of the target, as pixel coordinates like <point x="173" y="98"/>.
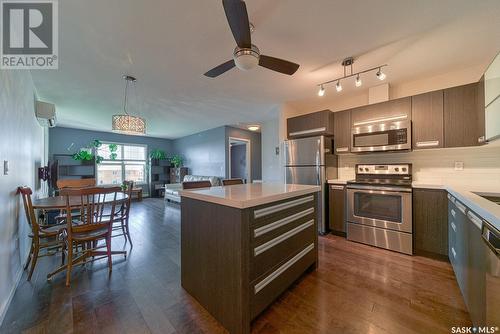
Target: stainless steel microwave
<point x="390" y="134"/>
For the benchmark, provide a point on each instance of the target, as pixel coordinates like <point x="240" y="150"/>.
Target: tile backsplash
<point x="481" y="165"/>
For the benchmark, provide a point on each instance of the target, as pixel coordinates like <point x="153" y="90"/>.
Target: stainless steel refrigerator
<point x="310" y="161"/>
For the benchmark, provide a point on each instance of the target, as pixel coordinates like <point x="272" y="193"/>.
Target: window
<point x="129" y="164"/>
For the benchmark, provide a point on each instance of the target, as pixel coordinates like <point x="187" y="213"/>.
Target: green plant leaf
<point x="158" y="154"/>
<point x="113" y="156"/>
<point x="96" y="143"/>
<point x="113" y="147"/>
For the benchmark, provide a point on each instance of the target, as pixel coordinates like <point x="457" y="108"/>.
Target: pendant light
<point x="126" y="123"/>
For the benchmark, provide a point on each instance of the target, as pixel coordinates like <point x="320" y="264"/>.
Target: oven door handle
<point x="377" y="188"/>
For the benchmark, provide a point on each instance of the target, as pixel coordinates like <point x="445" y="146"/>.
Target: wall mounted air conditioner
<point x="46" y="114"/>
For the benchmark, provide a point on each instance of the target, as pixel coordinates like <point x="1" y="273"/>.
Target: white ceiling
<point x="168" y="45"/>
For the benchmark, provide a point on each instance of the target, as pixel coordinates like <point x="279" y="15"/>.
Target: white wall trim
<point x="5" y="307"/>
<point x="248" y="156"/>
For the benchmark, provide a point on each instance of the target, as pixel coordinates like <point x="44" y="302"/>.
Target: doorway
<point x="239" y="159"/>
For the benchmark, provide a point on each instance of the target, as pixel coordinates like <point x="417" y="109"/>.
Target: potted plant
<point x="157" y="154"/>
<point x="176" y="160"/>
<point x="89" y="152"/>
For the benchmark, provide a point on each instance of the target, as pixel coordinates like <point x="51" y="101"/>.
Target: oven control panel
<point x="399" y="169"/>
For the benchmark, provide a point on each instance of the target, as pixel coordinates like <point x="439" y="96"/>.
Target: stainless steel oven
<point x="385" y="207"/>
<point x="379" y="207"/>
<point x="389" y="134"/>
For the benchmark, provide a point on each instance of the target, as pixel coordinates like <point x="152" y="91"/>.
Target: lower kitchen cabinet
<point x="336" y="208"/>
<point x="430" y="222"/>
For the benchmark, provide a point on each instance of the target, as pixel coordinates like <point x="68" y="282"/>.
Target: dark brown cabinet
<point x="336" y="208"/>
<point x="427" y="119"/>
<point x="342" y="130"/>
<point x="464" y="116"/>
<point x="314" y="124"/>
<point x="430" y="222"/>
<point x="177" y="174"/>
<point x="389" y="109"/>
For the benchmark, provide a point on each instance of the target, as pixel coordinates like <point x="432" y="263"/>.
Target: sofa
<point x="172" y="190"/>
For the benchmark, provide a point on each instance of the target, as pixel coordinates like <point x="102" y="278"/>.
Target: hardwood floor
<point x="356" y="289"/>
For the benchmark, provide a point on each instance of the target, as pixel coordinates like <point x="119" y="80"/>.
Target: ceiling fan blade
<point x="278" y="65"/>
<point x="216" y="71"/>
<point x="237" y="17"/>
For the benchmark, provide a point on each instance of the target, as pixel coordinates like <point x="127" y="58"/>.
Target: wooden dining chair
<point x="196" y="184"/>
<point x="91" y="225"/>
<point x="120" y="223"/>
<point x="73" y="184"/>
<point x="230" y="182"/>
<point x="42" y="237"/>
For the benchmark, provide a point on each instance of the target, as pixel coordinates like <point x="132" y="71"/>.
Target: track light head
<point x="358" y="81"/>
<point x="321" y="91"/>
<point x="338" y="86"/>
<point x="380" y="75"/>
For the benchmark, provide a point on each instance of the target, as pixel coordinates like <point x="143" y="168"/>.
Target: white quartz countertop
<point x="488" y="210"/>
<point x="243" y="196"/>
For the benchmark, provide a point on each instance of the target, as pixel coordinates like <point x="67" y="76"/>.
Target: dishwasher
<point x="491" y="237"/>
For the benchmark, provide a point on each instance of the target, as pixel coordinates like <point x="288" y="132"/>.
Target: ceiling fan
<point x="246" y="55"/>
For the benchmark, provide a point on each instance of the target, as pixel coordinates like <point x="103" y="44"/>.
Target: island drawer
<point x="267" y="288"/>
<point x="277" y="211"/>
<point x="270" y="249"/>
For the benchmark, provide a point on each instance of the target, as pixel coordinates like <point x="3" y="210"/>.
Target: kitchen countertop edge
<point x="248" y="203"/>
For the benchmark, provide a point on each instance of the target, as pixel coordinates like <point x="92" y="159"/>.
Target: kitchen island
<point x="244" y="245"/>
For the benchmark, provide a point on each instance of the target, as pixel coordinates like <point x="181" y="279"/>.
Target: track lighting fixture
<point x="347" y="64"/>
<point x="358" y="82"/>
<point x="380" y="75"/>
<point x="321" y="91"/>
<point x="338" y="86"/>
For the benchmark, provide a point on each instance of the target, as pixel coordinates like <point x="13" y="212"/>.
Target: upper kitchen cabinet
<point x="314" y="124"/>
<point x="380" y="111"/>
<point x="427" y="118"/>
<point x="492" y="99"/>
<point x="342" y="130"/>
<point x="464" y="115"/>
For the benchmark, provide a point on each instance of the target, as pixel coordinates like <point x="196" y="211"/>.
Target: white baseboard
<point x="5" y="307"/>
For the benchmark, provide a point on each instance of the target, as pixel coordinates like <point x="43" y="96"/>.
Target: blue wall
<point x="61" y="138"/>
<point x="204" y="152"/>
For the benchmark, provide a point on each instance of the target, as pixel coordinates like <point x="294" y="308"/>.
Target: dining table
<point x="60" y="202"/>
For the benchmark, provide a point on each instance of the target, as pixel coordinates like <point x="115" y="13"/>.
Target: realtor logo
<point x="29" y="36"/>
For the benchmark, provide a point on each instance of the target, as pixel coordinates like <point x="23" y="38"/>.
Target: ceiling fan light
<point x="380" y="75"/>
<point x="321" y="91"/>
<point x="246" y="58"/>
<point x="338" y="86"/>
<point x="358" y="81"/>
